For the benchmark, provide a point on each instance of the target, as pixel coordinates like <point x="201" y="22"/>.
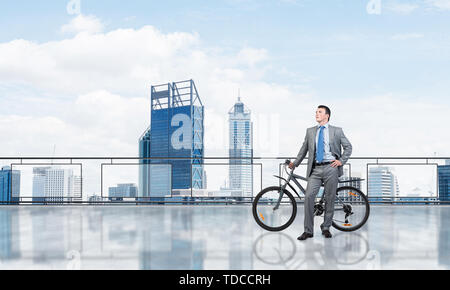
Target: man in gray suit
<point x="325" y="165"/>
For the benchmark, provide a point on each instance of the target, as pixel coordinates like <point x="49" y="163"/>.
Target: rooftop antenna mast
<point x="54" y="150"/>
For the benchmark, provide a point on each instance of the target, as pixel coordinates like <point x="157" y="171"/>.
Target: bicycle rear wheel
<point x="351" y="209"/>
<point x="274" y="219"/>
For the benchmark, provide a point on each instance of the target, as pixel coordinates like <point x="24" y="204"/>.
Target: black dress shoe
<point x="327" y="234"/>
<point x="305" y="236"/>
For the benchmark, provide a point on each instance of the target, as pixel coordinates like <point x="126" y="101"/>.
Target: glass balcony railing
<point x="214" y="180"/>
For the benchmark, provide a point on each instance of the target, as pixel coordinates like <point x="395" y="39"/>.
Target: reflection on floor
<point x="215" y="237"/>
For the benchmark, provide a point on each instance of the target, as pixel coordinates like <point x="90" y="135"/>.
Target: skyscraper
<point x="121" y="191"/>
<point x="59" y="184"/>
<point x="39" y="177"/>
<point x="9" y="185"/>
<point x="176" y="131"/>
<point x="444" y="182"/>
<point x="241" y="146"/>
<point x="382" y="183"/>
<point x="53" y="184"/>
<point x="77" y="186"/>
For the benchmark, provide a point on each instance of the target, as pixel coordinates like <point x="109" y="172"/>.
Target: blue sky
<point x="329" y="47"/>
<point x="81" y="82"/>
<point x="302" y="52"/>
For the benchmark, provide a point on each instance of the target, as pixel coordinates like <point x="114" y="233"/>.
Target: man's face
<point x="321" y="115"/>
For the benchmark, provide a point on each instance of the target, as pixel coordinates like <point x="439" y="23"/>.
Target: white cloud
<point x="88" y="67"/>
<point x="401" y="8"/>
<point x="407" y="36"/>
<point x="83" y="23"/>
<point x="129" y="18"/>
<point x="98" y="123"/>
<point x="123" y="60"/>
<point x="439" y="4"/>
<point x="391" y="126"/>
<point x="99" y="73"/>
<point x="252" y="56"/>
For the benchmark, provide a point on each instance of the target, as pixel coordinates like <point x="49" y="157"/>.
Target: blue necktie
<point x="320" y="146"/>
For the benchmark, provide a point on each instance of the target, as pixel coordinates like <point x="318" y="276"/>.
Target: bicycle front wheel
<point x="351" y="209"/>
<point x="267" y="215"/>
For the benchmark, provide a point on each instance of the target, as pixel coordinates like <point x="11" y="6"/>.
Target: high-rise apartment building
<point x="55" y="184"/>
<point x="382" y="183"/>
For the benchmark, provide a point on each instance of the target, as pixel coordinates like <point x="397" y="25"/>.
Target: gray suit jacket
<point x="337" y="142"/>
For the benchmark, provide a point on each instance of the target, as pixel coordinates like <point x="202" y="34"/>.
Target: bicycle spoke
<point x="351" y="209"/>
<point x="265" y="213"/>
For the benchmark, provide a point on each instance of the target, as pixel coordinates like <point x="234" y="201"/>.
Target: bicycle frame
<point x="303" y="190"/>
<point x="294" y="177"/>
<point x="345" y="199"/>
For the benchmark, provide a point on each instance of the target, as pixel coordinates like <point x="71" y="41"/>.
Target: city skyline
<point x="245" y="138"/>
<point x="94" y="101"/>
<point x="419" y="180"/>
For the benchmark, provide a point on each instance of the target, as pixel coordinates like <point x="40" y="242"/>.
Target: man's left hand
<point x="336" y="163"/>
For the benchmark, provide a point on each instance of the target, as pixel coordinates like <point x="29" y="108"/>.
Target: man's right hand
<point x="291" y="165"/>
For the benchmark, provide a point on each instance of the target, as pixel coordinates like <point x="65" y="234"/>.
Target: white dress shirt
<point x="327" y="156"/>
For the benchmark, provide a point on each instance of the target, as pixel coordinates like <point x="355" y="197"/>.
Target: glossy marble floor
<point x="215" y="237"/>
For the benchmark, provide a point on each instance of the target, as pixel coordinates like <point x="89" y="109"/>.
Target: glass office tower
<point x="444" y="182"/>
<point x="176" y="131"/>
<point x="121" y="191"/>
<point x="9" y="185"/>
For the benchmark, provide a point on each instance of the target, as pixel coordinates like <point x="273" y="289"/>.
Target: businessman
<point x="324" y="143"/>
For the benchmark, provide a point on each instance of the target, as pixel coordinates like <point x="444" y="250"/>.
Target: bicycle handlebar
<point x="286" y="163"/>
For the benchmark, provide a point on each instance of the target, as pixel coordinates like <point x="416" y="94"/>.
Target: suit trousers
<point x="329" y="177"/>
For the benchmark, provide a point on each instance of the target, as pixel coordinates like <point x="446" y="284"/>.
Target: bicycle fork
<point x="282" y="193"/>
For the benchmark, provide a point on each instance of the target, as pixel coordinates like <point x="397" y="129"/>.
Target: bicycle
<point x="275" y="208"/>
<point x="279" y="249"/>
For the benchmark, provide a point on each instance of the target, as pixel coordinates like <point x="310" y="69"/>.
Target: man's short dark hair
<point x="327" y="111"/>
